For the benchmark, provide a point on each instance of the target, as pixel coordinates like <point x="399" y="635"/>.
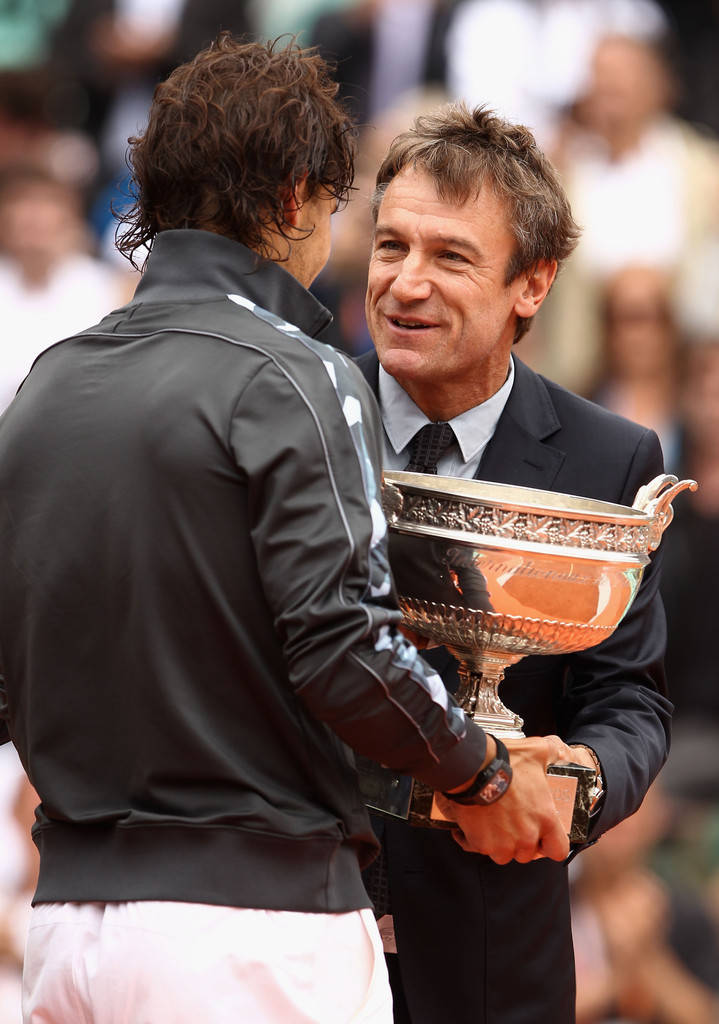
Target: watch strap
<point x="490" y="783"/>
<point x="597" y="791"/>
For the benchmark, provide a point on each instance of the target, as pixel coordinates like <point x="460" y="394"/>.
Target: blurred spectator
<point x="643" y="184"/>
<point x="384" y="49"/>
<point x="276" y="17"/>
<point x="641" y="354"/>
<point x="390" y="58"/>
<point x="12" y="861"/>
<point x="17" y="805"/>
<point x="695" y="23"/>
<point x="50" y="284"/>
<point x="528" y="59"/>
<point x="25" y="31"/>
<point x="698" y="291"/>
<point x="109" y="54"/>
<point x="646" y="950"/>
<point x="33" y="127"/>
<point x="691" y="570"/>
<point x="691" y="598"/>
<point x="29" y="133"/>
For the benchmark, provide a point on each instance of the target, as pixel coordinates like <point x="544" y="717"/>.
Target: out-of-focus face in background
<point x="40" y="224"/>
<point x="640" y="332"/>
<point x="628" y="86"/>
<point x="701" y="406"/>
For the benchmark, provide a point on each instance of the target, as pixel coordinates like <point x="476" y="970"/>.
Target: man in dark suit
<point x="471" y="226"/>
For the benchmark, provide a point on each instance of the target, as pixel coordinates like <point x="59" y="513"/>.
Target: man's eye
<point x="388" y="243"/>
<point x="453" y="256"/>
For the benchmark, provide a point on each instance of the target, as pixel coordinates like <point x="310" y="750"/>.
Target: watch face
<point x="495" y="787"/>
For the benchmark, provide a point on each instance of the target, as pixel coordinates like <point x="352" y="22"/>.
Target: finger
<point x="447" y="807"/>
<point x="500" y="857"/>
<point x="559" y="750"/>
<point x="496" y="853"/>
<point x="525" y="854"/>
<point x="461" y="840"/>
<point x="555" y="843"/>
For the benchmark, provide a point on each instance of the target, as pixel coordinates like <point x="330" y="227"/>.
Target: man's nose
<point x="412" y="282"/>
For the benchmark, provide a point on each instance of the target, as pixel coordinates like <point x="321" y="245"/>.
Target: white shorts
<point x="190" y="963"/>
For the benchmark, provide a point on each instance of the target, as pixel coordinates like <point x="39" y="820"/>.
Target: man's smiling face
<point x="439" y="311"/>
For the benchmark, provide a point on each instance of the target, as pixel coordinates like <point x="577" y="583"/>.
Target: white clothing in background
<point x="13" y="869"/>
<point x="527" y="59"/>
<point x="80" y="292"/>
<point x="401" y="33"/>
<point x="632" y="210"/>
<point x="12" y="859"/>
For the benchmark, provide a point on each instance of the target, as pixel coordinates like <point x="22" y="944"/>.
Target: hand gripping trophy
<point x="496" y="572"/>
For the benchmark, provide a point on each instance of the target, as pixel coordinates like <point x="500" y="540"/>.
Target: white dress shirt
<point x="473" y="428"/>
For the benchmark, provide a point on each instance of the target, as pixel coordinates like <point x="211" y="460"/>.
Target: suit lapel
<point x="518" y="452"/>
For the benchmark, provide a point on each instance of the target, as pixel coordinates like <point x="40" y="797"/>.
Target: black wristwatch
<point x="491" y="783"/>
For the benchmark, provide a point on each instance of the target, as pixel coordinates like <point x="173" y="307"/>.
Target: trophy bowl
<point x="496" y="572"/>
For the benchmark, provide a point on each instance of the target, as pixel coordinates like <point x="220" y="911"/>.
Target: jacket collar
<point x="189" y="265"/>
<point x="519" y="452"/>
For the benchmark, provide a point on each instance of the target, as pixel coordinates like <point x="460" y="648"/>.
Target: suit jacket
<point x="481" y="943"/>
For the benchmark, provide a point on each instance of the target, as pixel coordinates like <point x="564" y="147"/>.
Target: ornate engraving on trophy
<point x="524" y="526"/>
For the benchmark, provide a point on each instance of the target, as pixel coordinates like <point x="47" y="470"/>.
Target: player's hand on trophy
<point x="523" y="823"/>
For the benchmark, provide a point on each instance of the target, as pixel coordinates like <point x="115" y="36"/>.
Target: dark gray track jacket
<point x="196" y="613"/>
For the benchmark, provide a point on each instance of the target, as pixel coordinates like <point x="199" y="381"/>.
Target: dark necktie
<point x="428" y="446"/>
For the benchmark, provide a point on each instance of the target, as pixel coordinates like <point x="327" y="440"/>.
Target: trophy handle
<point x="655" y="499"/>
<point x="392" y="501"/>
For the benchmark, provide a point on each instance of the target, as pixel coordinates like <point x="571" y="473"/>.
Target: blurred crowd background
<point x="624" y="95"/>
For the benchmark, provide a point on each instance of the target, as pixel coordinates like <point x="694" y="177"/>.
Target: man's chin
<point x="403" y="363"/>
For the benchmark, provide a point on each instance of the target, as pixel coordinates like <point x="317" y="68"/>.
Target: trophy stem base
<point x="479" y="679"/>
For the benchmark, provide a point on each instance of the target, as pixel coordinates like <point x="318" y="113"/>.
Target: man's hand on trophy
<point x="523" y="824"/>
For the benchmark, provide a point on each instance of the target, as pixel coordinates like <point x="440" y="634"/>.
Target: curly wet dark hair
<point x="229" y="136"/>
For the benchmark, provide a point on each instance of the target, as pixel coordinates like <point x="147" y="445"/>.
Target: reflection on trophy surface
<point x="496" y="572"/>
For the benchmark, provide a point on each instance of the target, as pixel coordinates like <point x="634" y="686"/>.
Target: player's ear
<point x="293" y="200"/>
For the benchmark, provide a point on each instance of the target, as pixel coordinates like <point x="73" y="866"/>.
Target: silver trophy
<point x="496" y="572"/>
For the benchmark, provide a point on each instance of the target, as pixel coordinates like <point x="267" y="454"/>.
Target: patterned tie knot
<point x="428" y="446"/>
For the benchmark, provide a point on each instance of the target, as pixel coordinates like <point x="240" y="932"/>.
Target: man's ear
<point x="534" y="287"/>
<point x="293" y="201"/>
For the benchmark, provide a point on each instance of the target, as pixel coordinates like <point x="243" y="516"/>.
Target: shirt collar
<point x="472" y="428"/>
